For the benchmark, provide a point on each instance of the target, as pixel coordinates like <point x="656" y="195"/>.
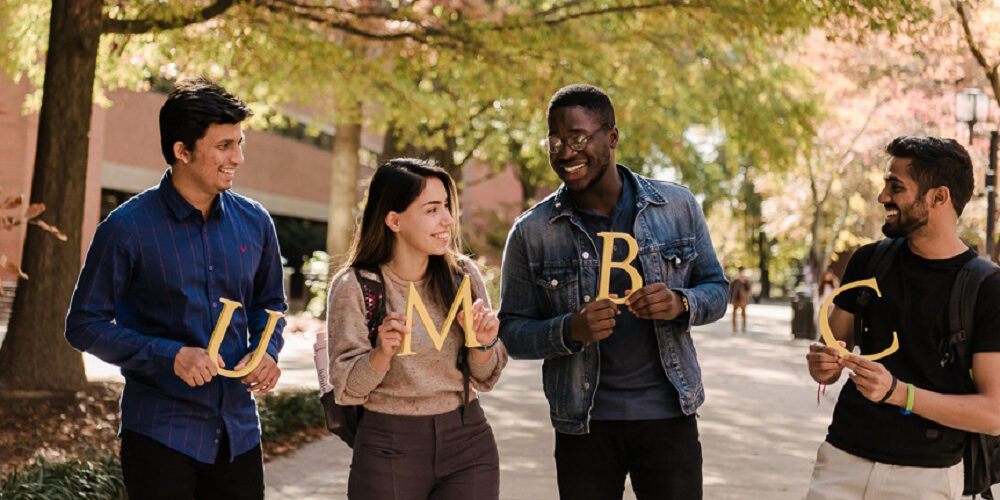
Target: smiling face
<point x="424" y="228"/>
<point x="582" y="170"/>
<point x="906" y="208"/>
<point x="210" y="167"/>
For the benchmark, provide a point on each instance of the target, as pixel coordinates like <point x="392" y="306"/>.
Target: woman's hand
<point x="485" y="326"/>
<point x="390" y="337"/>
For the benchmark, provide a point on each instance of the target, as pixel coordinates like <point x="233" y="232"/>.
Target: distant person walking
<point x="739" y="296"/>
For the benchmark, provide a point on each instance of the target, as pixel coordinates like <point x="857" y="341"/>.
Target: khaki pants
<point x="838" y="475"/>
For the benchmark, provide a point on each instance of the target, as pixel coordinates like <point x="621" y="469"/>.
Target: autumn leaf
<point x="12" y="202"/>
<point x="34" y="210"/>
<point x="55" y="231"/>
<point x="10" y="267"/>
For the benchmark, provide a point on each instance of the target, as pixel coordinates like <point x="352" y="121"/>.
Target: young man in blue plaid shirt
<point x="148" y="299"/>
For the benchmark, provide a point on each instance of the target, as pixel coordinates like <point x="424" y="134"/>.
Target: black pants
<point x="153" y="471"/>
<point x="662" y="457"/>
<point x="434" y="457"/>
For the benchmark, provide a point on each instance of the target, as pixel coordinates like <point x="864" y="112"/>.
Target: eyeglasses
<point x="554" y="143"/>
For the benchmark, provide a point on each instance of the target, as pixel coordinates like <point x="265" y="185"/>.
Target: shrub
<point x="98" y="480"/>
<point x="284" y="414"/>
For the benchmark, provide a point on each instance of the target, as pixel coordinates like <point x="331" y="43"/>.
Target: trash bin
<point x="803" y="325"/>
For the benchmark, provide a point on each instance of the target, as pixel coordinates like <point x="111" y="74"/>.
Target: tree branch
<point x="619" y="9"/>
<point x="973" y="46"/>
<point x="139" y="26"/>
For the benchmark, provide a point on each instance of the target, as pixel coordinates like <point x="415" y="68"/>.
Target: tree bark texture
<point x="35" y="355"/>
<point x="344" y="170"/>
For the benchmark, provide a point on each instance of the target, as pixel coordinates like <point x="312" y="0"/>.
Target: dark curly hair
<point x="937" y="162"/>
<point x="586" y="96"/>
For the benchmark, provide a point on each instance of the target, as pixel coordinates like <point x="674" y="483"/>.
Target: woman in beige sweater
<point x="419" y="436"/>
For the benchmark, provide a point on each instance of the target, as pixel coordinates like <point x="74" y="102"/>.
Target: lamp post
<point x="971" y="106"/>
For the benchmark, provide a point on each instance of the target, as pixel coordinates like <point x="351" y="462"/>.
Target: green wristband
<point x="909" y="400"/>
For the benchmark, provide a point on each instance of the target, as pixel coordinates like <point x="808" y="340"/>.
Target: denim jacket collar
<point x="645" y="194"/>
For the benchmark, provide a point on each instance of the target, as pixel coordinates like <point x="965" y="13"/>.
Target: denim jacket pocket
<point x="560" y="287"/>
<point x="676" y="260"/>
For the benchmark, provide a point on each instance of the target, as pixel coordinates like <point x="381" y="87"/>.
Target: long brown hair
<point x="394" y="187"/>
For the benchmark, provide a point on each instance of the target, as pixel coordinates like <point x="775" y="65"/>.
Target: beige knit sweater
<point x="425" y="383"/>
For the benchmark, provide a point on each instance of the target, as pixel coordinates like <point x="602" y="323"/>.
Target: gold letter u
<point x="228" y="307"/>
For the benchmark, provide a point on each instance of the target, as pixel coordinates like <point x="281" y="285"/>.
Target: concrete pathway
<point x="760" y="425"/>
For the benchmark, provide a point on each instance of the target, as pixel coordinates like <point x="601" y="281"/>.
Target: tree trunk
<point x="343" y="191"/>
<point x="763" y="255"/>
<point x="35" y="355"/>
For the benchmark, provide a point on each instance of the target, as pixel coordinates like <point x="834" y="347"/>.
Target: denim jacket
<point x="550" y="269"/>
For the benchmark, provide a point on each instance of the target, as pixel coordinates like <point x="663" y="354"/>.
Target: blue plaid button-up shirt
<point x="151" y="284"/>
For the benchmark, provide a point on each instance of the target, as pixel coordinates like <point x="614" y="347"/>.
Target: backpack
<point x="343" y="420"/>
<point x="981" y="458"/>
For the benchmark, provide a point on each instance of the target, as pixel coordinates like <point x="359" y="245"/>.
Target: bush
<point x="284" y="414"/>
<point x="98" y="480"/>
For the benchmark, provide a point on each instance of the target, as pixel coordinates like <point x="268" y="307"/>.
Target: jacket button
<point x="586" y="385"/>
<point x="554" y="282"/>
<point x="558" y="204"/>
<point x="586" y="298"/>
<point x="586" y="255"/>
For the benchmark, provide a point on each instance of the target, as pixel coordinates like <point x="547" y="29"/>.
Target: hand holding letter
<point x="194" y="367"/>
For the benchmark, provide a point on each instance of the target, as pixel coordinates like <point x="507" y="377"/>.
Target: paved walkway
<point x="760" y="424"/>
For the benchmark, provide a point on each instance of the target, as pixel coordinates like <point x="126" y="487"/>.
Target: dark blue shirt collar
<point x="180" y="207"/>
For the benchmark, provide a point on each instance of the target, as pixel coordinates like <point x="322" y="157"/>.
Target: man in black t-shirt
<point x="899" y="425"/>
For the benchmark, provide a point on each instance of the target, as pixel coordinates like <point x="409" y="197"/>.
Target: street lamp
<point x="971" y="106"/>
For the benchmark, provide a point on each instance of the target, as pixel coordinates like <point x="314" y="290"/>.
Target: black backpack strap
<point x="961" y="314"/>
<point x="879" y="264"/>
<point x="373" y="293"/>
<point x="463" y="358"/>
<point x="958" y="347"/>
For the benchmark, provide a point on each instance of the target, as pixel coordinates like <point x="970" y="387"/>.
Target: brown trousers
<point x="432" y="457"/>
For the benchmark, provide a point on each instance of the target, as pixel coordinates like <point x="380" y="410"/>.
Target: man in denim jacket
<point x="623" y="383"/>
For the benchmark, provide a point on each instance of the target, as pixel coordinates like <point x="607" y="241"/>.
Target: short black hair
<point x="586" y="96"/>
<point x="192" y="106"/>
<point x="937" y="162"/>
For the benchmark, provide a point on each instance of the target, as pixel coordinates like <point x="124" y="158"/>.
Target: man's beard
<point x="915" y="218"/>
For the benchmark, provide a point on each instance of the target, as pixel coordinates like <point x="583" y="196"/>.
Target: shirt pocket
<point x="560" y="288"/>
<point x="676" y="259"/>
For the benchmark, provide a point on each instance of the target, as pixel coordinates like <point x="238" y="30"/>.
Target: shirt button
<point x="216" y="441"/>
<point x="218" y="431"/>
<point x="554" y="282"/>
<point x="586" y="385"/>
<point x="586" y="255"/>
<point x="211" y="268"/>
<point x="586" y="298"/>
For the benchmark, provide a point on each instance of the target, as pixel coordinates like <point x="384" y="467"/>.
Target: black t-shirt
<point x="915" y="293"/>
